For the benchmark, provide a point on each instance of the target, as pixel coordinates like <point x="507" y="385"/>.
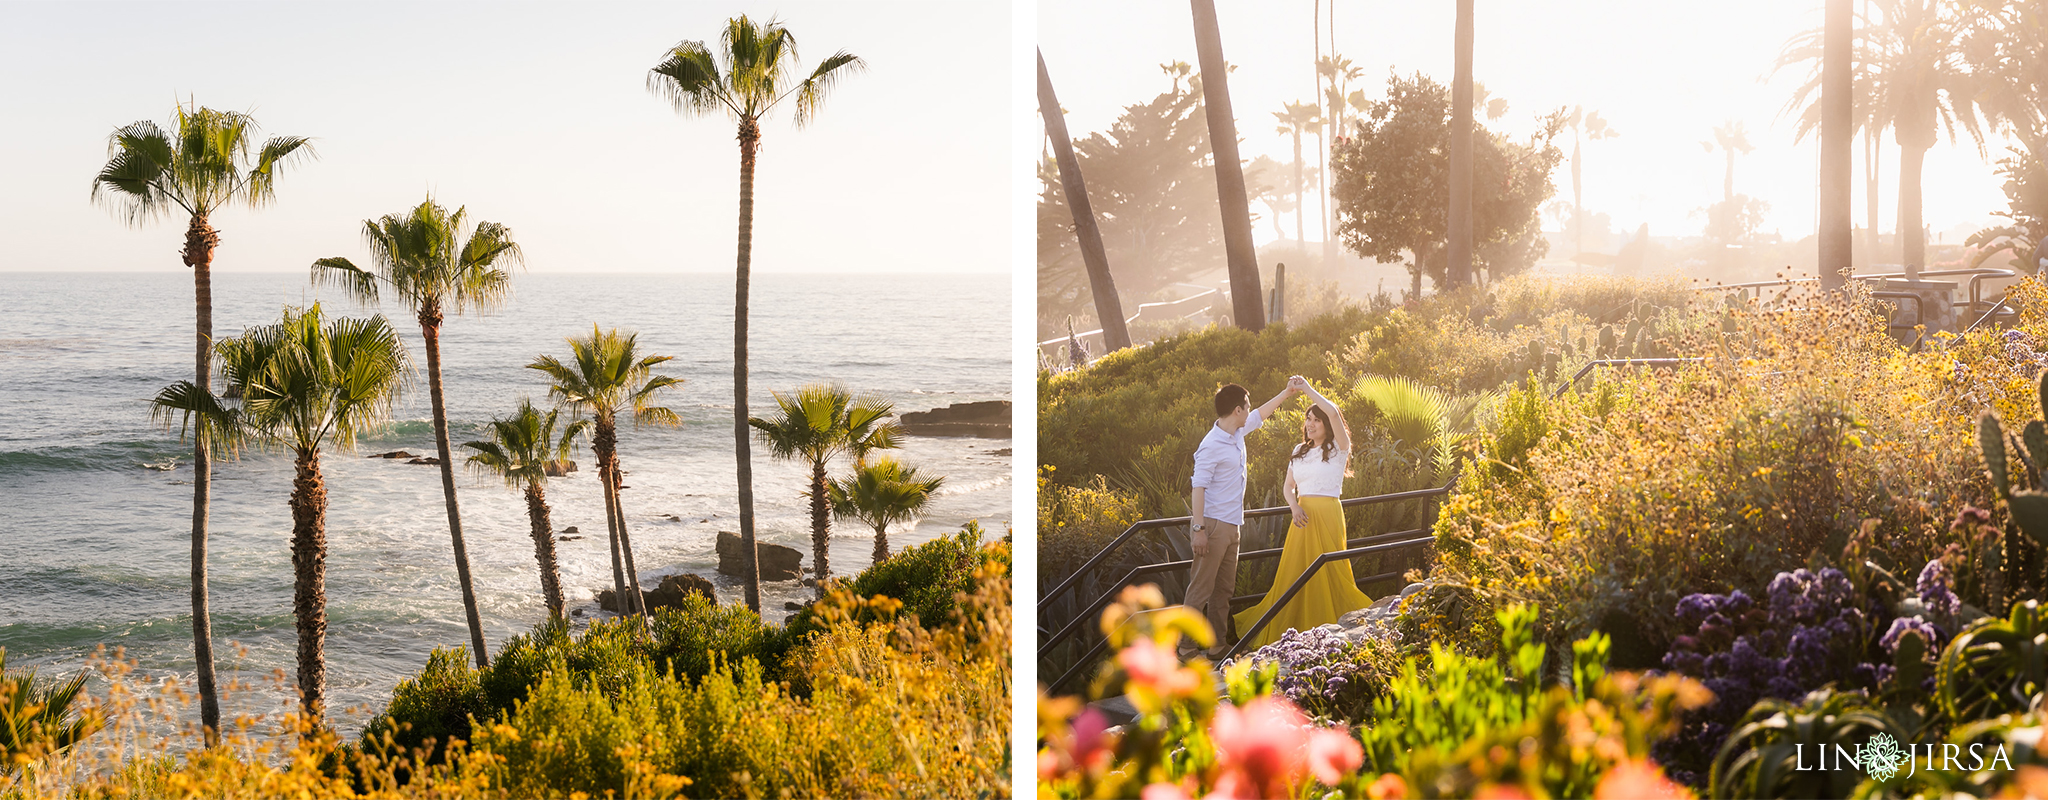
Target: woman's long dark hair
<point x="1329" y="436"/>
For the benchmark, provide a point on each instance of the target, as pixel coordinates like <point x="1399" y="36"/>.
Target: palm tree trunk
<point x="309" y="585"/>
<point x="1246" y="300"/>
<point x="544" y="549"/>
<point x="1837" y="132"/>
<point x="1578" y="205"/>
<point x="639" y="602"/>
<point x="1912" y="231"/>
<point x="1299" y="181"/>
<point x="200" y="240"/>
<point x="430" y="331"/>
<point x="1870" y="195"/>
<point x="881" y="543"/>
<point x="604" y="442"/>
<point x="1459" y="271"/>
<point x="1109" y="308"/>
<point x="750" y="142"/>
<point x="821" y="527"/>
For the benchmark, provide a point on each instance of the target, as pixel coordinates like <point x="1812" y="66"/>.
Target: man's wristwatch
<point x="1198" y="527"/>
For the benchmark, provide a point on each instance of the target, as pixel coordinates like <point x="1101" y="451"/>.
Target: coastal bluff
<point x="989" y="419"/>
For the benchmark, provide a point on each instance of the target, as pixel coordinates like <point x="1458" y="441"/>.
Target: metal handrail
<point x="1313" y="568"/>
<point x="1619" y="362"/>
<point x="1149" y="524"/>
<point x="1088" y="613"/>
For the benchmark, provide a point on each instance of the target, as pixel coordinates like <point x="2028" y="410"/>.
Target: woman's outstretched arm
<point x="1340" y="431"/>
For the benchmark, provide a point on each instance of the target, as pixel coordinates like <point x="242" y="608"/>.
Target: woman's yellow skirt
<point x="1327" y="596"/>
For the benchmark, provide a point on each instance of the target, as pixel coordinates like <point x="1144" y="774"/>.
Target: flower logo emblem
<point x="1882" y="757"/>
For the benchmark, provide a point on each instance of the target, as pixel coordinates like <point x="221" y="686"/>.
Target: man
<point x="1217" y="507"/>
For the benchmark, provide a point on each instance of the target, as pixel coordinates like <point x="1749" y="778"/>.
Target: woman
<point x="1315" y="481"/>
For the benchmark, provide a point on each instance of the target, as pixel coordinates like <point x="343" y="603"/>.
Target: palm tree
<point x="818" y="423"/>
<point x="1733" y="141"/>
<point x="1101" y="284"/>
<point x="1296" y="119"/>
<point x="424" y="258"/>
<point x="608" y="375"/>
<point x="882" y="493"/>
<point x="1910" y="75"/>
<point x="201" y="166"/>
<point x="522" y="448"/>
<point x="1589" y="125"/>
<point x="1459" y="271"/>
<point x="303" y="383"/>
<point x="749" y="76"/>
<point x="37" y="718"/>
<point x="1247" y="302"/>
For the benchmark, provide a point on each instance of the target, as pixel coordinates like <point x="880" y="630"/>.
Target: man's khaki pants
<point x="1215" y="579"/>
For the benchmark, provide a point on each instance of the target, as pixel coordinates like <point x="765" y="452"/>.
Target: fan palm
<point x="424" y="258"/>
<point x="882" y="493"/>
<point x="753" y="72"/>
<point x="607" y="375"/>
<point x="818" y="423"/>
<point x="36" y="719"/>
<point x="304" y="383"/>
<point x="522" y="448"/>
<point x="1910" y="75"/>
<point x="200" y="166"/>
<point x="1296" y="119"/>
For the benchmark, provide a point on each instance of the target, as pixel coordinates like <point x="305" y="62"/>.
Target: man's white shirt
<point x="1221" y="469"/>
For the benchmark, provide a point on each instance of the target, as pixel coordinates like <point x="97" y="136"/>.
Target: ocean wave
<point x="105" y="456"/>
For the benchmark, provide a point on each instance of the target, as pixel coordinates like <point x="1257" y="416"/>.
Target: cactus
<point x="1608" y="342"/>
<point x="2025" y="496"/>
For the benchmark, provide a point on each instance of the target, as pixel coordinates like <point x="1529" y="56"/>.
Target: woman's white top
<point x="1314" y="477"/>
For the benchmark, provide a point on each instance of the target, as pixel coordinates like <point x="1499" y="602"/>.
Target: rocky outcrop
<point x="557" y="469"/>
<point x="432" y="461"/>
<point x="988" y="419"/>
<point x="670" y="594"/>
<point x="778" y="563"/>
<point x="394" y="454"/>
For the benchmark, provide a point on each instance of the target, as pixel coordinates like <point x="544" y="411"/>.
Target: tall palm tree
<point x="203" y="164"/>
<point x="1101" y="284"/>
<point x="1459" y="272"/>
<point x="522" y="448"/>
<point x="607" y="374"/>
<point x="1247" y="302"/>
<point x="424" y="258"/>
<point x="882" y="493"/>
<point x="817" y="424"/>
<point x="1733" y="141"/>
<point x="1296" y="119"/>
<point x="1588" y="125"/>
<point x="1911" y="75"/>
<point x="749" y="76"/>
<point x="304" y="383"/>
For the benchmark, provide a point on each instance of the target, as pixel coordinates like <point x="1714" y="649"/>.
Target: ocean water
<point x="94" y="543"/>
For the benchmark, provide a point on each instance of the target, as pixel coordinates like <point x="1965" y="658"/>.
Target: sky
<point x="1662" y="74"/>
<point x="533" y="115"/>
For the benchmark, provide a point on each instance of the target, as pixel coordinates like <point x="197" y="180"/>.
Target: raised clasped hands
<point x="1297" y="384"/>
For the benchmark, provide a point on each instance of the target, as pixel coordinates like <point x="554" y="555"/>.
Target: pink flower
<point x="1148" y="662"/>
<point x="1638" y="780"/>
<point x="1164" y="791"/>
<point x="1088" y="733"/>
<point x="1333" y="754"/>
<point x="1387" y="787"/>
<point x="1263" y="741"/>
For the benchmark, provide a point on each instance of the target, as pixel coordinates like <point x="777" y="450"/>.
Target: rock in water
<point x="395" y="454"/>
<point x="988" y="419"/>
<point x="778" y="563"/>
<point x="556" y="469"/>
<point x="674" y="588"/>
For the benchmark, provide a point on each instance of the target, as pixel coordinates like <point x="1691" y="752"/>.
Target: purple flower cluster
<point x="2018" y="348"/>
<point x="1928" y="633"/>
<point x="1810" y="629"/>
<point x="1316" y="665"/>
<point x="1937" y="593"/>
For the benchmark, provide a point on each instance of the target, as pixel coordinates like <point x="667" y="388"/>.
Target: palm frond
<point x="810" y="94"/>
<point x="194" y="409"/>
<point x="690" y="80"/>
<point x="338" y="271"/>
<point x="278" y="152"/>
